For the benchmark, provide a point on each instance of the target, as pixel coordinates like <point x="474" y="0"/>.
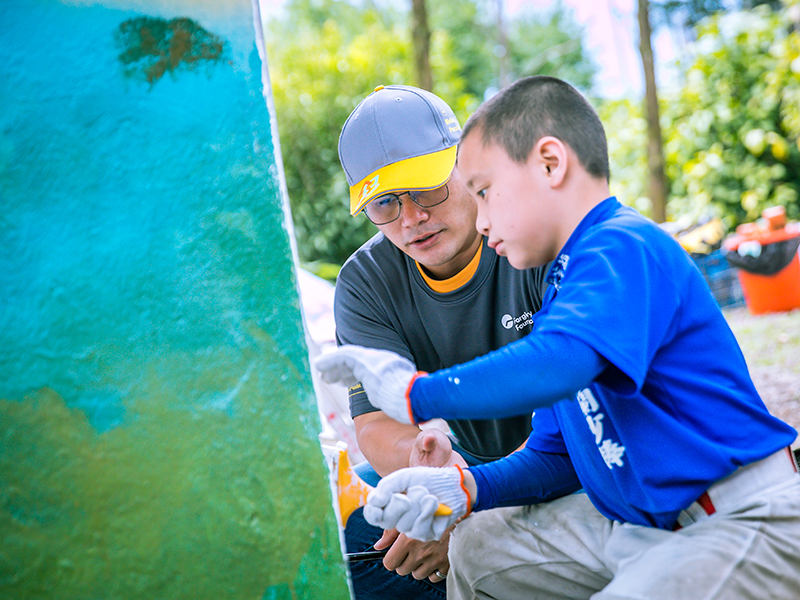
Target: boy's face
<point x="514" y="202"/>
<point x="441" y="238"/>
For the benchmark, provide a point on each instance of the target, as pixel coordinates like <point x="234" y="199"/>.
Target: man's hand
<point x="421" y="559"/>
<point x="386" y="376"/>
<point x="432" y="448"/>
<point x="408" y="499"/>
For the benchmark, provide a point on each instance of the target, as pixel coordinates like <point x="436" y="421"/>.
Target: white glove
<point x="407" y="500"/>
<point x="384" y="375"/>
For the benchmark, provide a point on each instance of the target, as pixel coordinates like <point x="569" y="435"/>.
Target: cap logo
<point x="370" y="185"/>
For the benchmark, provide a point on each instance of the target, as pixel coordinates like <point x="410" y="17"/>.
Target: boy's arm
<point x="409" y="499"/>
<point x="536" y="372"/>
<point x="527" y="476"/>
<point x="523" y="376"/>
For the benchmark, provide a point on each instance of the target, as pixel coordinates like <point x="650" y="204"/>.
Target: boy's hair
<point x="534" y="107"/>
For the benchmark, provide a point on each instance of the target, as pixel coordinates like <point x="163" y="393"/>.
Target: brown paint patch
<point x="152" y="46"/>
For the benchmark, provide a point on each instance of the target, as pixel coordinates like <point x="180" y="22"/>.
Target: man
<point x="427" y="288"/>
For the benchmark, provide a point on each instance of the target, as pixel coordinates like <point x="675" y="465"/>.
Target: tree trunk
<point x="502" y="47"/>
<point x="421" y="36"/>
<point x="658" y="184"/>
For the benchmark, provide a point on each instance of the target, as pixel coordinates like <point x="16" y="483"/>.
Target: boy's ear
<point x="552" y="157"/>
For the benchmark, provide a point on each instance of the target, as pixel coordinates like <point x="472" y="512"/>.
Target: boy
<point x="653" y="412"/>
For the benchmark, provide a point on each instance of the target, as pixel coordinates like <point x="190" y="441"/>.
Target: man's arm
<point x="384" y="442"/>
<point x="389" y="445"/>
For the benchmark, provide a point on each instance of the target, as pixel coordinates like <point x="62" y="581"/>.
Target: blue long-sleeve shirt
<point x="631" y="370"/>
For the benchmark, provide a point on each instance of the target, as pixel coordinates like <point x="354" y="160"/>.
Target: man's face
<point x="442" y="238"/>
<point x="512" y="199"/>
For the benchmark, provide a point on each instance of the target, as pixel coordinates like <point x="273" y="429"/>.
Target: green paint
<point x="158" y="430"/>
<point x="176" y="501"/>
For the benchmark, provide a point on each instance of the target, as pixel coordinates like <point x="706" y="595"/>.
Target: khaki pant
<point x="564" y="549"/>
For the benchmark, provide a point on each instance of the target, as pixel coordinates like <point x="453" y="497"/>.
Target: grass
<point x="771" y="345"/>
<point x="768" y="340"/>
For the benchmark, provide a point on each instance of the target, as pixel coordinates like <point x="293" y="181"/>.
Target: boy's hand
<point x="407" y="499"/>
<point x="385" y="376"/>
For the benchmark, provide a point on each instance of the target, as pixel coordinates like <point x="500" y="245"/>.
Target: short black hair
<point x="534" y="107"/>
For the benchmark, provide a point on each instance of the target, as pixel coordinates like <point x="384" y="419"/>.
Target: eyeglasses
<point x="385" y="209"/>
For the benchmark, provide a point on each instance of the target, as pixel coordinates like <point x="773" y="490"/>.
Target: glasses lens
<point x="430" y="198"/>
<point x="383" y="209"/>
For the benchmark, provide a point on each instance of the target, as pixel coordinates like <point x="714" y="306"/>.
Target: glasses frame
<point x="410" y="194"/>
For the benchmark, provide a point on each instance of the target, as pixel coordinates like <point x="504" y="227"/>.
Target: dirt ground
<point x="771" y="346"/>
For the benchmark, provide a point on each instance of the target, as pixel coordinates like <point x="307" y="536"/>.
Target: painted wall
<point x="158" y="428"/>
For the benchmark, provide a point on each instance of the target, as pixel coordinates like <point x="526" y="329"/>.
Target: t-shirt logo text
<point x="611" y="451"/>
<point x="519" y="323"/>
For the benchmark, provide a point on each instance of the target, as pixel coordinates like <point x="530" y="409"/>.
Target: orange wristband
<point x="417" y="375"/>
<point x="466" y="491"/>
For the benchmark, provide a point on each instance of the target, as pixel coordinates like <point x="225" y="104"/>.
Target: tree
<point x="627" y="151"/>
<point x="732" y="147"/>
<point x="659" y="186"/>
<point x="464" y="26"/>
<point x="685" y="14"/>
<point x="421" y="36"/>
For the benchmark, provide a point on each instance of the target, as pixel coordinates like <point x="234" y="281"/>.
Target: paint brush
<point x="367" y="555"/>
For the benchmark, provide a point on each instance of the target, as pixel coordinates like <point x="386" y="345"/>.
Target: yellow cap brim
<point x="425" y="172"/>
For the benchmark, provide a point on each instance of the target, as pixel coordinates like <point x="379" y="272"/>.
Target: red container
<point x="778" y="292"/>
<point x="772" y="293"/>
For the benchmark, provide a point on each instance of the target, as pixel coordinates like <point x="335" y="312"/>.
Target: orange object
<point x="772" y="293"/>
<point x="352" y="491"/>
<point x="350" y="488"/>
<point x="775" y="217"/>
<point x="779" y="291"/>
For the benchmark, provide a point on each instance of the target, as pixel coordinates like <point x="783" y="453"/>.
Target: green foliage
<point x="325" y="56"/>
<point x="732" y="131"/>
<point x="626" y="130"/>
<point x="320" y="71"/>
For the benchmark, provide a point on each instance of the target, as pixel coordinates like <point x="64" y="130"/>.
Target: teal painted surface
<point x="158" y="430"/>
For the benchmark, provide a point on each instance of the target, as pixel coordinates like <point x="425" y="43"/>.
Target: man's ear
<point x="552" y="157"/>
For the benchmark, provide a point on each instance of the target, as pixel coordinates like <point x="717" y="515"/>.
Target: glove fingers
<point x="405" y="522"/>
<point x="413" y="512"/>
<point x="335" y="367"/>
<point x="388" y="517"/>
<point x="440" y="525"/>
<point x="374" y="516"/>
<point x="379" y="496"/>
<point x="423" y="525"/>
<point x="428" y="505"/>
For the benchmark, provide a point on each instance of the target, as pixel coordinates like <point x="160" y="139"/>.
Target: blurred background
<point x="700" y="99"/>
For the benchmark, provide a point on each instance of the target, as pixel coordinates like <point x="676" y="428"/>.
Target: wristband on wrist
<point x="466" y="491"/>
<point x="417" y="375"/>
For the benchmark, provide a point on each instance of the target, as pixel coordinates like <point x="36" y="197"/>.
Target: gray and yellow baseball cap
<point x="398" y="138"/>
